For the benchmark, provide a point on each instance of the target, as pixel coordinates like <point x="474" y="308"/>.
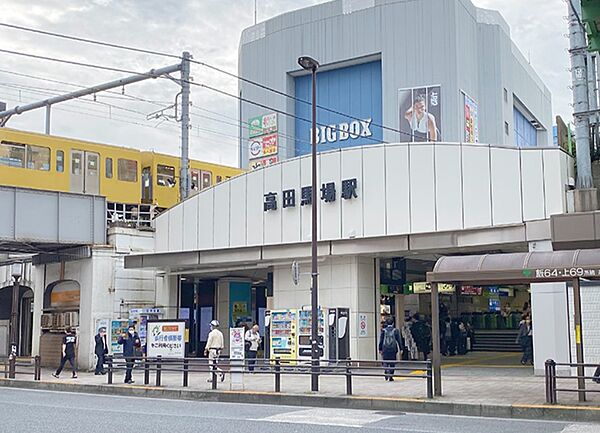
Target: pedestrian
<point x="252" y="341"/>
<point x="454" y="337"/>
<point x="446" y="336"/>
<point x="101" y="350"/>
<point x="462" y="338"/>
<point x="390" y="343"/>
<point x="422" y="335"/>
<point x="69" y="342"/>
<point x="525" y="340"/>
<point x="130" y="341"/>
<point x="213" y="349"/>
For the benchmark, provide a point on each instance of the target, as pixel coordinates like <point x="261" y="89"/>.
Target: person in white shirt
<point x="213" y="349"/>
<point x="252" y="339"/>
<point x="422" y="123"/>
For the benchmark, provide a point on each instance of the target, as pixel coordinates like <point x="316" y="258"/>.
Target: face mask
<point x="131" y="332"/>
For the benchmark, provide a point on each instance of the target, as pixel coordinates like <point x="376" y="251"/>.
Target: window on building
<point x="219" y="179"/>
<point x="109" y="168"/>
<point x="127" y="170"/>
<point x="60" y="161"/>
<point x="38" y="158"/>
<point x="12" y="154"/>
<point x="525" y="132"/>
<point x="165" y="175"/>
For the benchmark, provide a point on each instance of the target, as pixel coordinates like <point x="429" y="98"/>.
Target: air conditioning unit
<point x="56" y="321"/>
<point x="46" y="321"/>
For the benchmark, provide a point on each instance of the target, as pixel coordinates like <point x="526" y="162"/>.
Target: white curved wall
<point x="402" y="189"/>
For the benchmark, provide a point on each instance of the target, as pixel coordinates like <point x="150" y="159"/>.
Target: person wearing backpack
<point x="390" y="343"/>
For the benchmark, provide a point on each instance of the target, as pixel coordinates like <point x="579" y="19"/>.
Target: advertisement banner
<point x="262" y="125"/>
<point x="166" y="339"/>
<point x="264" y="162"/>
<point x="117" y="328"/>
<point x="420" y="111"/>
<point x="471" y="119"/>
<point x="424" y="287"/>
<point x="265" y="145"/>
<point x="236" y="343"/>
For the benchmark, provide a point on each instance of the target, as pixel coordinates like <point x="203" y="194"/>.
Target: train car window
<point x="206" y="179"/>
<point x="12" y="154"/>
<point x="38" y="158"/>
<point x="60" y="161"/>
<point x="219" y="179"/>
<point x="109" y="168"/>
<point x="165" y="175"/>
<point x="127" y="170"/>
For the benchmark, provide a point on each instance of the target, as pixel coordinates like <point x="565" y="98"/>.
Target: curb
<point x="517" y="411"/>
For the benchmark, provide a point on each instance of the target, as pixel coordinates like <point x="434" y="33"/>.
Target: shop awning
<point x="517" y="268"/>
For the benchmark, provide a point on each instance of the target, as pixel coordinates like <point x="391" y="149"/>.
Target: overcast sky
<point x="210" y="30"/>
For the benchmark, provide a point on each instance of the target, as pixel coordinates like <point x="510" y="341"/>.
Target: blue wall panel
<point x="354" y="91"/>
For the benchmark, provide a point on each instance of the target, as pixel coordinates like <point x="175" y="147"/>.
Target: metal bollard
<point x="277" y="375"/>
<point x="547" y="381"/>
<point x="553" y="381"/>
<point x="146" y="371"/>
<point x="12" y="367"/>
<point x="214" y="376"/>
<point x="185" y="372"/>
<point x="109" y="362"/>
<point x="429" y="380"/>
<point x="348" y="378"/>
<point x="37" y="368"/>
<point x="158" y="370"/>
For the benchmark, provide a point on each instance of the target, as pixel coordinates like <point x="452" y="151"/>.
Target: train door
<point x="77" y="175"/>
<point x="146" y="185"/>
<point x="92" y="171"/>
<point x="85" y="172"/>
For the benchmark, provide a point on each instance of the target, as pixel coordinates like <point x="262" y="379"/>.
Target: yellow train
<point x="121" y="174"/>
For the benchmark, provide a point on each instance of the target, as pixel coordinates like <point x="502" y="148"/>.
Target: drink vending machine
<point x="304" y="334"/>
<point x="282" y="329"/>
<point x="339" y="333"/>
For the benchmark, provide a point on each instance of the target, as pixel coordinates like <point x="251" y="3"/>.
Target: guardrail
<point x="551" y="377"/>
<point x="349" y="369"/>
<point x="14" y="366"/>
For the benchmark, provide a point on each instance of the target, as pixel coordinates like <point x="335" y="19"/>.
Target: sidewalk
<point x="486" y="385"/>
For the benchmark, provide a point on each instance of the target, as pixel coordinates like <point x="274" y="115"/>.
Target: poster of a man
<point x="420" y="112"/>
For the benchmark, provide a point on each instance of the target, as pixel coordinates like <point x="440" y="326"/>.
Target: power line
<point x="201" y="63"/>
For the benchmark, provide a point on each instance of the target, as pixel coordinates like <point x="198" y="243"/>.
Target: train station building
<point x="434" y="140"/>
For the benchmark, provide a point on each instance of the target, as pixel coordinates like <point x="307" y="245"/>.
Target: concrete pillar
<point x="549" y="317"/>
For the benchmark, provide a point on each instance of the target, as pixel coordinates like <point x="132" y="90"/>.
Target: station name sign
<point x="328" y="195"/>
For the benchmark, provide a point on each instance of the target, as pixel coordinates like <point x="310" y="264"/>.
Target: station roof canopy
<point x="517" y="268"/>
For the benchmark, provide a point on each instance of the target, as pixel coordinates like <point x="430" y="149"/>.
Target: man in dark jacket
<point x="100" y="349"/>
<point x="130" y="341"/>
<point x="390" y="343"/>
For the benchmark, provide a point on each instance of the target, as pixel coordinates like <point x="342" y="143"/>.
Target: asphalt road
<point x="49" y="412"/>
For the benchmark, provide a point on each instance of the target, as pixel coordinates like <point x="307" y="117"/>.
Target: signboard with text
<point x="166" y="339"/>
<point x="471" y="119"/>
<point x="265" y="145"/>
<point x="264" y="162"/>
<point x="261" y="125"/>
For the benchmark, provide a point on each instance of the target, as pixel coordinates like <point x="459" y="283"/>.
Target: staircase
<point x="496" y="341"/>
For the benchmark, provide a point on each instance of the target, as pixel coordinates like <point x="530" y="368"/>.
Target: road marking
<point x="581" y="428"/>
<point x="329" y="417"/>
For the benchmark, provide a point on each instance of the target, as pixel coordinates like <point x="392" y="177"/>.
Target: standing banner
<point x="471" y="119"/>
<point x="236" y="343"/>
<point x="420" y="110"/>
<point x="166" y="338"/>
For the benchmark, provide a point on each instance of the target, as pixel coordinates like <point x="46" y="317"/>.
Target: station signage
<point x="425" y="287"/>
<point x="553" y="273"/>
<point x="328" y="195"/>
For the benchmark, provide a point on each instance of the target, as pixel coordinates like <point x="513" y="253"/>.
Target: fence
<point x="551" y="380"/>
<point x="349" y="369"/>
<point x="19" y="366"/>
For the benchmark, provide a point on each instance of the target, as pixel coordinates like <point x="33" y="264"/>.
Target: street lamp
<point x="310" y="64"/>
<point x="17" y="271"/>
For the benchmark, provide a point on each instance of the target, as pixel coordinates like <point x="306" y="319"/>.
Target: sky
<point x="210" y="30"/>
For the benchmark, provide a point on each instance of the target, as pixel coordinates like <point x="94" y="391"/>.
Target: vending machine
<point x="304" y="334"/>
<point x="339" y="336"/>
<point x="283" y="341"/>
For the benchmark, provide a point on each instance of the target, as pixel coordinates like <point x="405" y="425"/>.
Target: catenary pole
<point x="578" y="53"/>
<point x="184" y="183"/>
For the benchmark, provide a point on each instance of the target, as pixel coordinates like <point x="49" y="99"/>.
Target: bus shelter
<point x="514" y="268"/>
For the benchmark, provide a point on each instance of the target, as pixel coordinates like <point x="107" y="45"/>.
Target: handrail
<point x="348" y="368"/>
<point x="551" y="377"/>
<point x="11" y="367"/>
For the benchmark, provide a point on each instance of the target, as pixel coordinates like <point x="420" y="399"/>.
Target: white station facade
<point x="433" y="140"/>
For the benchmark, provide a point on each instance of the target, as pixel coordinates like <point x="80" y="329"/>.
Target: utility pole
<point x="184" y="183"/>
<point x="579" y="77"/>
